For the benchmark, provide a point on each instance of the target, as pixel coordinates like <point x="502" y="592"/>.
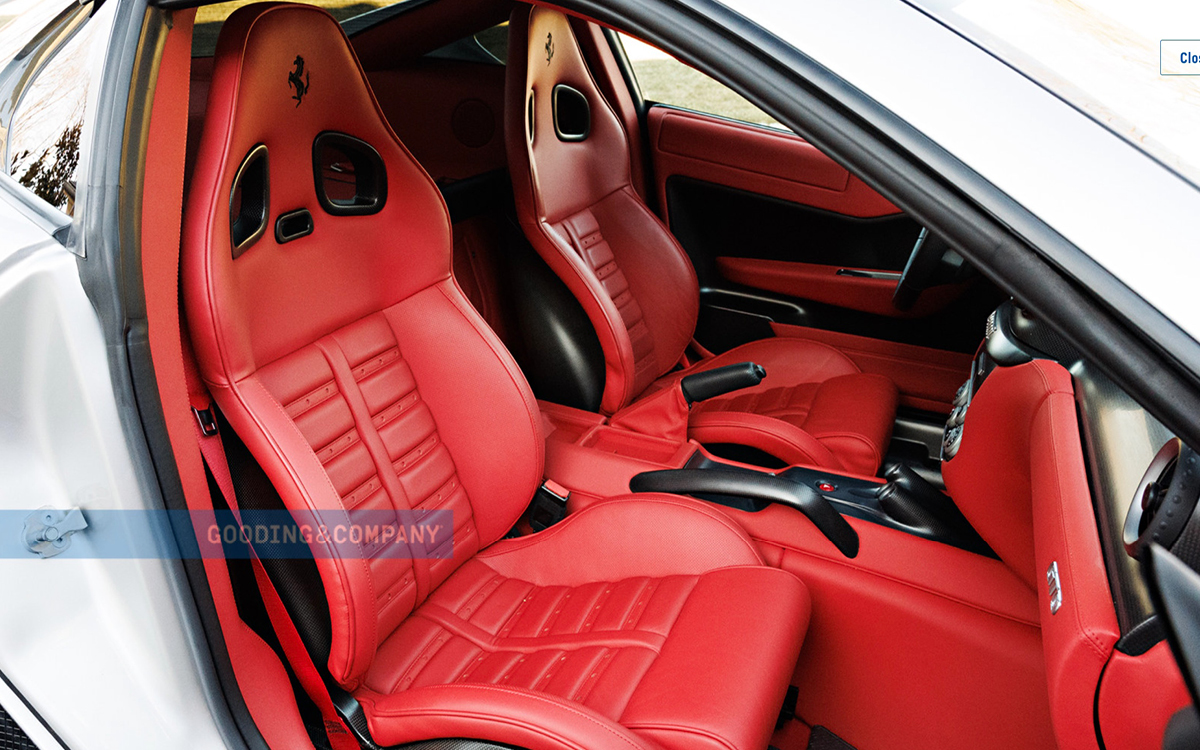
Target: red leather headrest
<point x="283" y="74"/>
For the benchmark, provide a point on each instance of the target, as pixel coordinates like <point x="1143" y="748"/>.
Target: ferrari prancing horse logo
<point x="549" y="47"/>
<point x="298" y="80"/>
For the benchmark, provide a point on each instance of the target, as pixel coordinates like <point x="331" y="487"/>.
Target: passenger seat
<point x="569" y="160"/>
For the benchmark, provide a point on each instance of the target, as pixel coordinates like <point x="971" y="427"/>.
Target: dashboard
<point x="1130" y="459"/>
<point x="1068" y="478"/>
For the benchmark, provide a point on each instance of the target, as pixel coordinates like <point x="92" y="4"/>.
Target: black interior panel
<point x="713" y="220"/>
<point x="556" y="345"/>
<point x="734" y="315"/>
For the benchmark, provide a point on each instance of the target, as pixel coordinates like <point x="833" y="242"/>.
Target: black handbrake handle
<point x="721" y="380"/>
<point x="756" y="486"/>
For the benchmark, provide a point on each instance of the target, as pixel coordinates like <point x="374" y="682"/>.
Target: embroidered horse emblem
<point x="298" y="80"/>
<point x="549" y="47"/>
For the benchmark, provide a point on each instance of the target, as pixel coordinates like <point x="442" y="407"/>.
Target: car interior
<point x="738" y="453"/>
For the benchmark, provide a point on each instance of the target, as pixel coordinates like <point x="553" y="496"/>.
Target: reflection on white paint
<point x="1101" y="56"/>
<point x="20" y="20"/>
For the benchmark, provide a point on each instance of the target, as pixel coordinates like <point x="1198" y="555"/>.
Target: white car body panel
<point x="99" y="648"/>
<point x="1127" y="212"/>
<point x="74" y="631"/>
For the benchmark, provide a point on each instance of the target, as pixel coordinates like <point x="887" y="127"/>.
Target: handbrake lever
<point x="718" y="381"/>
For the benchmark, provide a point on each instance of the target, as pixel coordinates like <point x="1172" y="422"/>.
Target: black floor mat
<point x="823" y="739"/>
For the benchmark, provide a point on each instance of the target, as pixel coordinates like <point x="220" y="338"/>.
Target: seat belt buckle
<point x="549" y="505"/>
<point x="207" y="420"/>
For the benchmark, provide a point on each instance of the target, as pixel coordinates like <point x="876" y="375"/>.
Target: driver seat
<point x="577" y="206"/>
<point x="346" y="359"/>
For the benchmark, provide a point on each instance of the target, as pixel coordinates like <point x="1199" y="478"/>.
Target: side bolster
<point x="281" y="450"/>
<point x="624" y="535"/>
<point x="512" y="716"/>
<point x="615" y="343"/>
<point x="660" y="273"/>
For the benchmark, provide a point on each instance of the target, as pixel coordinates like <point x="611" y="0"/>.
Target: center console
<point x="920" y="608"/>
<point x="593" y="459"/>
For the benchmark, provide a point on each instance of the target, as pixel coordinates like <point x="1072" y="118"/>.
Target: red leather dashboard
<point x="1020" y="478"/>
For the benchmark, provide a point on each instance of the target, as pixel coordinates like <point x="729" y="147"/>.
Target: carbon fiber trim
<point x="12" y="737"/>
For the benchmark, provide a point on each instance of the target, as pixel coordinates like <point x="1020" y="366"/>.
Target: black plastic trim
<point x="756" y="486"/>
<point x="562" y="93"/>
<point x="1142" y="637"/>
<point x="29" y="707"/>
<point x="1175" y="591"/>
<point x="293" y="225"/>
<point x="250" y="222"/>
<point x="370" y="174"/>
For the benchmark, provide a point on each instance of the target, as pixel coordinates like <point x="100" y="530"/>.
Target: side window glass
<point x="495" y="41"/>
<point x="665" y="80"/>
<point x="44" y="139"/>
<point x="489" y="46"/>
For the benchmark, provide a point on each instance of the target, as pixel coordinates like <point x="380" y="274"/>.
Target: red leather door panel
<point x="832" y="219"/>
<point x="756" y="159"/>
<point x="822" y="283"/>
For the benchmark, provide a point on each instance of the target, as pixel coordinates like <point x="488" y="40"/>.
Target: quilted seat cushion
<point x="635" y="650"/>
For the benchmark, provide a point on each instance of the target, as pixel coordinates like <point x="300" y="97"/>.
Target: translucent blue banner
<point x="274" y="534"/>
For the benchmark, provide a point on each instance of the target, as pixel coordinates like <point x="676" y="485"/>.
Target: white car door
<point x="94" y="651"/>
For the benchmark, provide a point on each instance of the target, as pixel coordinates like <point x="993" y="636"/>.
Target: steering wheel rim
<point x="926" y="254"/>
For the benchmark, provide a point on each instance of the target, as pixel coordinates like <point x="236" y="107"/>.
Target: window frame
<point x="644" y="104"/>
<point x="15" y="81"/>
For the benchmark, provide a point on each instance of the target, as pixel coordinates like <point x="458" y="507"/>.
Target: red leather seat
<point x="581" y="213"/>
<point x="355" y="371"/>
